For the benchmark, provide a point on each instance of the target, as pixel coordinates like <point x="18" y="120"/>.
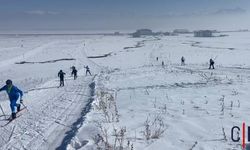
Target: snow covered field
<point x="137" y="103"/>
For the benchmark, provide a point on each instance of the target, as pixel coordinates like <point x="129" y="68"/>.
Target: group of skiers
<point x="61" y="74"/>
<point x="211" y="62"/>
<point x="14" y="93"/>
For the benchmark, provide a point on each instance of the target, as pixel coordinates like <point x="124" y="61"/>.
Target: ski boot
<point x="13" y="115"/>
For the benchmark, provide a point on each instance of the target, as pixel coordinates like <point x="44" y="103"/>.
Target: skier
<point x="14" y="93"/>
<point x="74" y="72"/>
<point x="157" y="58"/>
<point x="87" y="70"/>
<point x="61" y="76"/>
<point x="162" y="63"/>
<point x="182" y="61"/>
<point x="211" y="61"/>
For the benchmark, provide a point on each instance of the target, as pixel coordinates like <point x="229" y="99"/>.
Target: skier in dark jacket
<point x="74" y="72"/>
<point x="87" y="70"/>
<point x="162" y="63"/>
<point x="14" y="93"/>
<point x="61" y="76"/>
<point x="211" y="61"/>
<point x="182" y="61"/>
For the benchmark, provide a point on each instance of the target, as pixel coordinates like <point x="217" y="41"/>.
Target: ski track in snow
<point x="50" y="113"/>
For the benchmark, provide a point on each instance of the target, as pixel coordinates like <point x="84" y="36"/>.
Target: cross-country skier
<point x="14" y="93"/>
<point x="87" y="70"/>
<point x="211" y="61"/>
<point x="61" y="76"/>
<point x="74" y="72"/>
<point x="182" y="61"/>
<point x="162" y="63"/>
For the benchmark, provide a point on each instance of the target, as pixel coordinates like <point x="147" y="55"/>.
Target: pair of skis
<point x="10" y="119"/>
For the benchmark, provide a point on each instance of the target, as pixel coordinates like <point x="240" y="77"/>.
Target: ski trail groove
<point x="79" y="122"/>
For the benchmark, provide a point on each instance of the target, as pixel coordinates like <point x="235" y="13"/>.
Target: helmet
<point x="8" y="82"/>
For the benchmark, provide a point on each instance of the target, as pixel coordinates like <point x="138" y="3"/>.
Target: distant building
<point x="181" y="31"/>
<point x="166" y="33"/>
<point x="243" y="30"/>
<point x="158" y="33"/>
<point x="141" y="32"/>
<point x="117" y="33"/>
<point x="203" y="33"/>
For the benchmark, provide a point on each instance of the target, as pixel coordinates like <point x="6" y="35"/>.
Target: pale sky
<point x="124" y="14"/>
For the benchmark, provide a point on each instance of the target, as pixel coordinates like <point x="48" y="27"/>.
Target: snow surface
<point x="194" y="107"/>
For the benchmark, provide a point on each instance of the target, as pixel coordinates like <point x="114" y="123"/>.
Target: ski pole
<point x="215" y="57"/>
<point x="24" y="106"/>
<point x="3" y="111"/>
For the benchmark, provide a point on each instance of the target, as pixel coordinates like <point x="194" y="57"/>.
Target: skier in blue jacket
<point x="14" y="93"/>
